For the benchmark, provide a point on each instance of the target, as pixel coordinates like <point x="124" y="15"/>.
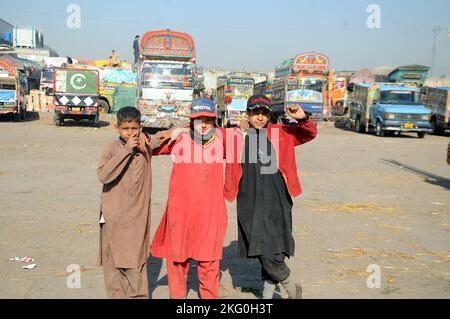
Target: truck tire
<point x="17" y="116"/>
<point x="379" y="129"/>
<point x="24" y="113"/>
<point x="435" y="128"/>
<point x="58" y="120"/>
<point x="97" y="120"/>
<point x="358" y="126"/>
<point x="104" y="106"/>
<point x="420" y="134"/>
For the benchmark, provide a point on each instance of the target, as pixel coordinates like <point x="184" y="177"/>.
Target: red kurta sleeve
<point x="303" y="132"/>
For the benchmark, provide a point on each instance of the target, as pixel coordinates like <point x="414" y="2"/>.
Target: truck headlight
<point x="425" y="117"/>
<point x="389" y="116"/>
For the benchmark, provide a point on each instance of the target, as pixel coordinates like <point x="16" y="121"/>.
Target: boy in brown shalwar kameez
<point x="125" y="172"/>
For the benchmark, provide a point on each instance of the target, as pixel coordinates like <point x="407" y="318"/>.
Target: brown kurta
<point x="125" y="203"/>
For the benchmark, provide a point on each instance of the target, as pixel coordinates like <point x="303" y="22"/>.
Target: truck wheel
<point x="58" y="120"/>
<point x="434" y="127"/>
<point x="97" y="120"/>
<point x="379" y="130"/>
<point x="104" y="107"/>
<point x="358" y="126"/>
<point x="420" y="134"/>
<point x="17" y="116"/>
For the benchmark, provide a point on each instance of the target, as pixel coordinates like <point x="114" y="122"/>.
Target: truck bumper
<point x="163" y="122"/>
<point x="404" y="127"/>
<point x="7" y="110"/>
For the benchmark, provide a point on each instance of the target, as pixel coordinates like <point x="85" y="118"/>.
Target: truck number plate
<point x="409" y="125"/>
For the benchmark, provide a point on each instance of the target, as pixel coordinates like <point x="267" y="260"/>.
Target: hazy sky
<point x="251" y="35"/>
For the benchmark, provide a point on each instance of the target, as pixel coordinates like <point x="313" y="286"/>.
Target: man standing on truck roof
<point x="136" y="49"/>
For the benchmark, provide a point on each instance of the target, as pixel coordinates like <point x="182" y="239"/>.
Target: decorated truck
<point x="301" y="80"/>
<point x="233" y="91"/>
<point x="12" y="95"/>
<point x="76" y="93"/>
<point x="167" y="78"/>
<point x="263" y="88"/>
<point x="13" y="90"/>
<point x="335" y="96"/>
<point x="437" y="99"/>
<point x="114" y="82"/>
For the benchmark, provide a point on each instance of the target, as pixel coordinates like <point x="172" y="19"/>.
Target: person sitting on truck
<point x="263" y="177"/>
<point x="115" y="59"/>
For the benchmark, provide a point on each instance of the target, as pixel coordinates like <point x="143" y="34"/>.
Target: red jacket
<point x="283" y="138"/>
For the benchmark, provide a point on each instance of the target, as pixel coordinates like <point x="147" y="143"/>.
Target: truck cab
<point x="165" y="92"/>
<point x="12" y="95"/>
<point x="233" y="92"/>
<point x="167" y="78"/>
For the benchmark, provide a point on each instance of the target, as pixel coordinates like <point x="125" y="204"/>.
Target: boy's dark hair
<point x="137" y="37"/>
<point x="128" y="114"/>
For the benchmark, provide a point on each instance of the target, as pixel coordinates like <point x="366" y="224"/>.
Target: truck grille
<point x="402" y="116"/>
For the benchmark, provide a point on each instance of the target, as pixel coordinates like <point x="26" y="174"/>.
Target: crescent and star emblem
<point x="77" y="80"/>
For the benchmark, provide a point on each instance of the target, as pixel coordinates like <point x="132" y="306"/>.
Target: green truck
<point x="76" y="94"/>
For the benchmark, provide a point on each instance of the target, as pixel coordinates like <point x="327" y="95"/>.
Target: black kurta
<point x="264" y="206"/>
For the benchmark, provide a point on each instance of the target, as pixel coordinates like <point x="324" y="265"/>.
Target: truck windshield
<point x="399" y="97"/>
<point x="306" y="84"/>
<point x="166" y="75"/>
<point x="47" y="76"/>
<point x="242" y="91"/>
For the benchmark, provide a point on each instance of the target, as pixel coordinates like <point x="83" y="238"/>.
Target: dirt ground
<point x="366" y="201"/>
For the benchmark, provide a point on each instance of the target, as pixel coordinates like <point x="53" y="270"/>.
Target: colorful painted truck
<point x="301" y="80"/>
<point x="335" y="96"/>
<point x="263" y="88"/>
<point x="113" y="80"/>
<point x="12" y="95"/>
<point x="388" y="107"/>
<point x="437" y="99"/>
<point x="233" y="91"/>
<point x="76" y="94"/>
<point x="167" y="78"/>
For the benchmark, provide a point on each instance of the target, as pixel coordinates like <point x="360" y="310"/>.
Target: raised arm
<point x="303" y="132"/>
<point x="306" y="130"/>
<point x="112" y="165"/>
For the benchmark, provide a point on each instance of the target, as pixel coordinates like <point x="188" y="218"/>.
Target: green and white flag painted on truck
<point x="76" y="81"/>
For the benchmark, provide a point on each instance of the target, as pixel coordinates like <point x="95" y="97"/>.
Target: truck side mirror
<point x="350" y="88"/>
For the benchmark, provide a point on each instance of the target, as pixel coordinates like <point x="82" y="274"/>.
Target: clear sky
<point x="247" y="34"/>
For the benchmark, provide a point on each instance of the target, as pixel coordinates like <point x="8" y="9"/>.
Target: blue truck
<point x="388" y="107"/>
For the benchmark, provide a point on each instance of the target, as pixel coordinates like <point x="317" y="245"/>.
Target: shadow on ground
<point x="428" y="177"/>
<point x="245" y="273"/>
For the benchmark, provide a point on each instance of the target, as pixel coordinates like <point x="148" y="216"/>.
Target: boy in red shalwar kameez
<point x="194" y="224"/>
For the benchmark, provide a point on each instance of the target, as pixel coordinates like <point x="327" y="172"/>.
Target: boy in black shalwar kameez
<point x="266" y="182"/>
